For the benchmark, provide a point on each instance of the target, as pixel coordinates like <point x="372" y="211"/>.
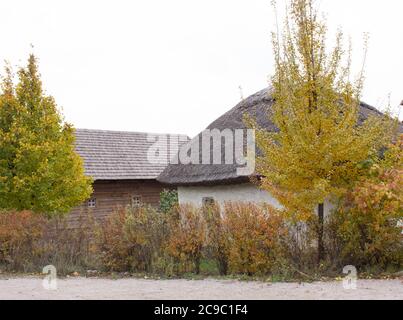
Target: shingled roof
<point x="118" y="155"/>
<point x="258" y="106"/>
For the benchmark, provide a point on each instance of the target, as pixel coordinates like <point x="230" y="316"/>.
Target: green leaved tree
<point x="319" y="150"/>
<point x="39" y="168"/>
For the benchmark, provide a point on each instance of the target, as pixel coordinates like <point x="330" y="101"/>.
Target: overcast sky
<point x="175" y="66"/>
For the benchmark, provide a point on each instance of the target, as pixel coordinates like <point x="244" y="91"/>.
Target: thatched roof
<point x="258" y="106"/>
<point x="118" y="155"/>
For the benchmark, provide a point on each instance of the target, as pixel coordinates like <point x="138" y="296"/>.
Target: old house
<point x="123" y="168"/>
<point x="204" y="183"/>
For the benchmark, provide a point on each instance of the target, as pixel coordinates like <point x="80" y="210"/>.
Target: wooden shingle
<point x="119" y="155"/>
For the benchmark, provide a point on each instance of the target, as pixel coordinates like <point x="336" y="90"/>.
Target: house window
<point x="92" y="203"/>
<point x="136" y="201"/>
<point x="208" y="201"/>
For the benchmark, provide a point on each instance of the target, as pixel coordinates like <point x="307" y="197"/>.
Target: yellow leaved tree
<point x="319" y="150"/>
<point x="39" y="168"/>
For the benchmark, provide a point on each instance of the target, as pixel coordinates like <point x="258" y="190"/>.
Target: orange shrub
<point x="131" y="240"/>
<point x="70" y="248"/>
<point x="217" y="239"/>
<point x="366" y="226"/>
<point x="111" y="244"/>
<point x="186" y="237"/>
<point x="254" y="234"/>
<point x="20" y="233"/>
<point x="29" y="241"/>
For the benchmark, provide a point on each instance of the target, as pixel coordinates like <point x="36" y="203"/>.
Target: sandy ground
<point x="132" y="289"/>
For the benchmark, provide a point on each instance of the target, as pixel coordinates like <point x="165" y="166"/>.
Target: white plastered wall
<point x="245" y="192"/>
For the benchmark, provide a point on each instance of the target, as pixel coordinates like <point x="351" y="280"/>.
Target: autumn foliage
<point x="254" y="237"/>
<point x="186" y="238"/>
<point x="217" y="244"/>
<point x="321" y="140"/>
<point x="131" y="240"/>
<point x="39" y="168"/>
<point x="238" y="238"/>
<point x="19" y="236"/>
<point x="368" y="223"/>
<point x="28" y="242"/>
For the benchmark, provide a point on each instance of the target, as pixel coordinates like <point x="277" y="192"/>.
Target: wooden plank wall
<point x="111" y="195"/>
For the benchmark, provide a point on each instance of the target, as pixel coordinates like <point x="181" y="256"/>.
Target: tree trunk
<point x="321" y="214"/>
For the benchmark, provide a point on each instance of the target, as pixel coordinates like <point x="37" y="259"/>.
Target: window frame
<point x="139" y="201"/>
<point x="208" y="201"/>
<point x="92" y="203"/>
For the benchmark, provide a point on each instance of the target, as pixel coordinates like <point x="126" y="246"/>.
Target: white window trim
<point x="92" y="203"/>
<point x="138" y="202"/>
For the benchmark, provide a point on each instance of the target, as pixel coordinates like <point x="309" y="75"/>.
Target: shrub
<point x="366" y="224"/>
<point x="217" y="240"/>
<point x="70" y="248"/>
<point x="110" y="242"/>
<point x="186" y="238"/>
<point x="29" y="241"/>
<point x="168" y="200"/>
<point x="300" y="247"/>
<point x="254" y="235"/>
<point x="131" y="240"/>
<point x="20" y="234"/>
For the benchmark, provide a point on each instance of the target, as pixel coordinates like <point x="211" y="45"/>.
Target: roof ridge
<point x="122" y="131"/>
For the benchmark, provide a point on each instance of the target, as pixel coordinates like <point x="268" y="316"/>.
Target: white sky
<point x="175" y="66"/>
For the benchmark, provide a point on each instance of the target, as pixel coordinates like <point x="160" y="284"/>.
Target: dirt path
<point x="94" y="288"/>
